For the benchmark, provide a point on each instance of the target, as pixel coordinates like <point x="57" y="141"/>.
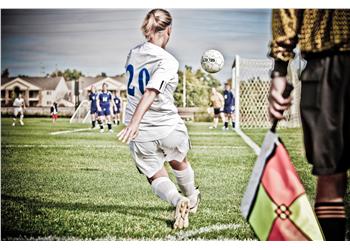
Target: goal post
<point x="82" y="113"/>
<point x="251" y="84"/>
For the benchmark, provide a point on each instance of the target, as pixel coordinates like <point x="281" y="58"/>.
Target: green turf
<point x="84" y="185"/>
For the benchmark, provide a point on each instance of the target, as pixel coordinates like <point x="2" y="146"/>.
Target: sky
<point x="36" y="42"/>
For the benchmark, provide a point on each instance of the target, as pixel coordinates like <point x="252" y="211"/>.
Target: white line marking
<point x="183" y="235"/>
<point x="249" y="141"/>
<point x="227" y="133"/>
<point x="69" y="131"/>
<point x="103" y="146"/>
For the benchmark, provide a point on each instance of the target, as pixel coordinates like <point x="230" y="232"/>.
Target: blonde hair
<point x="156" y="20"/>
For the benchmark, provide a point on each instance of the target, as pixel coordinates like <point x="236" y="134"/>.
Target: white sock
<point x="185" y="180"/>
<point x="165" y="189"/>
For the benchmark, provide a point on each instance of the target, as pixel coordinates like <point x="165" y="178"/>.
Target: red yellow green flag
<point x="275" y="203"/>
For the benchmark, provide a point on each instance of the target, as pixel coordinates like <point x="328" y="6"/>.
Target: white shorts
<point x="150" y="156"/>
<point x="17" y="110"/>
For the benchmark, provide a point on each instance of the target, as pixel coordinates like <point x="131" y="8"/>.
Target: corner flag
<point x="275" y="203"/>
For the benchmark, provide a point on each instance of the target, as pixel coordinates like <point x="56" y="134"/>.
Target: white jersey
<point x="18" y="102"/>
<point x="149" y="66"/>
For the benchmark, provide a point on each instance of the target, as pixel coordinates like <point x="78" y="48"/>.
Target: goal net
<point x="251" y="84"/>
<point x="82" y="113"/>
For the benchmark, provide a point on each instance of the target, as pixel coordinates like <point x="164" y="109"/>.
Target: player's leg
<point x="175" y="146"/>
<point x="114" y="115"/>
<point x="118" y="118"/>
<point x="185" y="179"/>
<point x="93" y="119"/>
<point x="149" y="160"/>
<point x="226" y="121"/>
<point x="166" y="190"/>
<point x="233" y="119"/>
<point x="216" y="118"/>
<point x="222" y="116"/>
<point x="15" y="113"/>
<point x="109" y="120"/>
<point x="21" y="117"/>
<point x="101" y="119"/>
<point x="327" y="144"/>
<point x="329" y="206"/>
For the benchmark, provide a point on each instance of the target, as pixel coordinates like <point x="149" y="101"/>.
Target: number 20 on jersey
<point x="143" y="79"/>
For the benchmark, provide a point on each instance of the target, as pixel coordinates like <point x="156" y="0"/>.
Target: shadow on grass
<point x="35" y="206"/>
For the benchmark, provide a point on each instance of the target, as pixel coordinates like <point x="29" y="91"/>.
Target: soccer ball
<point x="212" y="61"/>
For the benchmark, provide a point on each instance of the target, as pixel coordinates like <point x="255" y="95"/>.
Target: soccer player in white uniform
<point x="18" y="106"/>
<point x="155" y="131"/>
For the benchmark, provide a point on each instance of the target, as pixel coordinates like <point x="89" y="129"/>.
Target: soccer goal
<point x="251" y="83"/>
<point x="82" y="113"/>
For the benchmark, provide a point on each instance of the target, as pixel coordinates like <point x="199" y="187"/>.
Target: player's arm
<point x="113" y="103"/>
<point x="222" y="99"/>
<point x="130" y="132"/>
<point x="285" y="28"/>
<point x="98" y="102"/>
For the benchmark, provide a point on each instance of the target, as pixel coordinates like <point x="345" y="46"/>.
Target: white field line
<point x="227" y="133"/>
<point x="69" y="131"/>
<point x="191" y="133"/>
<point x="249" y="141"/>
<point x="183" y="235"/>
<point x="102" y="146"/>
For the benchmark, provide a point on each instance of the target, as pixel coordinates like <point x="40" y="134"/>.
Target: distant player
<point x="217" y="101"/>
<point x="54" y="112"/>
<point x="104" y="103"/>
<point x="154" y="129"/>
<point x="229" y="107"/>
<point x="93" y="106"/>
<point x="116" y="108"/>
<point x="18" y="107"/>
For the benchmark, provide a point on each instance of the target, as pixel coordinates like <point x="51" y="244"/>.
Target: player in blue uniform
<point x="93" y="106"/>
<point x="229" y="107"/>
<point x="104" y="101"/>
<point x="116" y="108"/>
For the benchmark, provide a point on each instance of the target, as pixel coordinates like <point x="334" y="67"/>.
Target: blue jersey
<point x="116" y="100"/>
<point x="105" y="98"/>
<point x="229" y="98"/>
<point x="93" y="99"/>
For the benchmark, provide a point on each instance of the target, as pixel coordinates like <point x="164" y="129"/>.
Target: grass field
<point x="83" y="185"/>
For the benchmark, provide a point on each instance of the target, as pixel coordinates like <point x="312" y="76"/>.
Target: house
<point x="37" y="91"/>
<point x="115" y="84"/>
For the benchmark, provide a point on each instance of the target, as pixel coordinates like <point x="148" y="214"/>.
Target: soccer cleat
<point x="212" y="127"/>
<point x="224" y="128"/>
<point x="194" y="207"/>
<point x="13" y="124"/>
<point x="110" y="131"/>
<point x="102" y="130"/>
<point x="181" y="213"/>
<point x="21" y="123"/>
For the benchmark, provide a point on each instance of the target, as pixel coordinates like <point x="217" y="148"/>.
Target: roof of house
<point x="6" y="79"/>
<point x="46" y="83"/>
<point x="86" y="81"/>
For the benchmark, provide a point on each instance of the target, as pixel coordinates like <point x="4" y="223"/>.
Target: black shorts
<point x="325" y="113"/>
<point x="217" y="111"/>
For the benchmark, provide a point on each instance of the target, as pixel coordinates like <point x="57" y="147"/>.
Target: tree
<point x="198" y="85"/>
<point x="5" y="73"/>
<point x="68" y="74"/>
